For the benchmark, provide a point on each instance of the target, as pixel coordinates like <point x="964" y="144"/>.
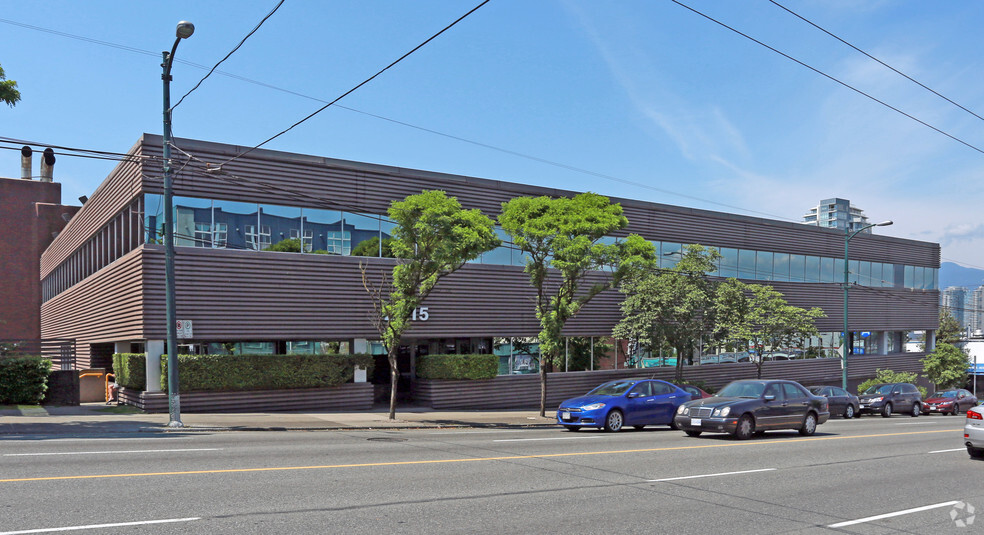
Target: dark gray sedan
<point x="840" y="401"/>
<point x="752" y="407"/>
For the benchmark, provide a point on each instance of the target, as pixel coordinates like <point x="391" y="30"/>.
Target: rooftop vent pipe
<point x="47" y="165"/>
<point x="26" y="162"/>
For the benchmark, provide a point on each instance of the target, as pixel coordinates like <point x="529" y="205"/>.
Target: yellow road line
<point x="475" y="459"/>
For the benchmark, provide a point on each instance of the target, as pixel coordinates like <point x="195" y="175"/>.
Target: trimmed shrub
<point x="23" y="380"/>
<point x="225" y="373"/>
<point x="457" y="366"/>
<point x="130" y="370"/>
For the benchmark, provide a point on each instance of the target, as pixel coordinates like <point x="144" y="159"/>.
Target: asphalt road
<point x="911" y="471"/>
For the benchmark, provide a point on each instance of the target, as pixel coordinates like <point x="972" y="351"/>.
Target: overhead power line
<point x="832" y="78"/>
<point x="270" y="14"/>
<point x="364" y="82"/>
<point x="900" y="73"/>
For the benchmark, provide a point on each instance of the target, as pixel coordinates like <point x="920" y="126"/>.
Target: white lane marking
<point x="98" y="526"/>
<point x="110" y="451"/>
<point x="922" y="423"/>
<point x="708" y="475"/>
<point x="947" y="451"/>
<point x="886" y="515"/>
<point x="533" y="439"/>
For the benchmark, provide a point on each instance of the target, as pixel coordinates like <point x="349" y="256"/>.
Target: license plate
<point x="695" y="421"/>
<point x="932" y="407"/>
<point x="863" y="406"/>
<point x="565" y="415"/>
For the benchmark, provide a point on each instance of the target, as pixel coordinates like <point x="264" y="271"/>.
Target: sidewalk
<point x="90" y="418"/>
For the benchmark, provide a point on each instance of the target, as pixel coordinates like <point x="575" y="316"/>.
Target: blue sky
<point x="667" y="105"/>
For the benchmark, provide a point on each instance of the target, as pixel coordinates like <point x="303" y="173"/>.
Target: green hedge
<point x="223" y="373"/>
<point x="23" y="380"/>
<point x="131" y="370"/>
<point x="457" y="366"/>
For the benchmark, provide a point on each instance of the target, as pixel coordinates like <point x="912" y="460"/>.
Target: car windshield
<point x="742" y="390"/>
<point x="613" y="388"/>
<point x="947" y="394"/>
<point x="879" y="389"/>
<point x="815" y="390"/>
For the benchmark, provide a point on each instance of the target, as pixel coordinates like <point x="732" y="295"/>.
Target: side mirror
<point x="634" y="394"/>
<point x="896" y="391"/>
<point x="769" y="397"/>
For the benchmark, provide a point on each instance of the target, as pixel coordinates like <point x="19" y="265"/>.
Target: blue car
<point x="635" y="402"/>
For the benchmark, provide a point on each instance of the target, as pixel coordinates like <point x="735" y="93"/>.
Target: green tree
<point x="672" y="306"/>
<point x="433" y="238"/>
<point x="946" y="366"/>
<point x="370" y="247"/>
<point x="290" y="245"/>
<point x="949" y="331"/>
<point x="8" y="90"/>
<point x="759" y="316"/>
<point x="566" y="234"/>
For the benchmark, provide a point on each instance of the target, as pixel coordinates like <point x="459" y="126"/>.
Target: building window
<point x="263" y="239"/>
<point x="295" y="234"/>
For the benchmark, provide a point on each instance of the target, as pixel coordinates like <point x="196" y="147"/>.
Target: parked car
<point x="615" y="404"/>
<point x="884" y="399"/>
<point x="839" y="401"/>
<point x="974" y="432"/>
<point x="749" y="407"/>
<point x="695" y="393"/>
<point x="955" y="401"/>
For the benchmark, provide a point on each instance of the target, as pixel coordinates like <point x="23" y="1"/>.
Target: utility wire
<point x="270" y="14"/>
<point x="900" y="73"/>
<point x="829" y="77"/>
<point x="364" y="82"/>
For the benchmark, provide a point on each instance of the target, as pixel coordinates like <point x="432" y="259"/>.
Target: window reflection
<point x="746" y="264"/>
<point x="763" y="265"/>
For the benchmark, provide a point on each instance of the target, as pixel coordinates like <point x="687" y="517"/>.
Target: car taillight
<point x="974" y="415"/>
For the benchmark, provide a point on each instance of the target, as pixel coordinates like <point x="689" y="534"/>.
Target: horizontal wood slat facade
<point x="523" y="391"/>
<point x="346" y="397"/>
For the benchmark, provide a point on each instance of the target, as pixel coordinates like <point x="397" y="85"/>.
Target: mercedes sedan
<point x="752" y="407"/>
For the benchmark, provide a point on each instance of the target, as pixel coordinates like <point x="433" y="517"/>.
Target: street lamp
<point x="847" y="239"/>
<point x="184" y="31"/>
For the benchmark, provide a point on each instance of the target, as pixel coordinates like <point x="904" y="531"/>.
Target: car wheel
<point x="693" y="433"/>
<point x="745" y="428"/>
<point x="809" y="424"/>
<point x="673" y="424"/>
<point x="639" y="427"/>
<point x="887" y="410"/>
<point x="849" y="411"/>
<point x="614" y="421"/>
<point x="916" y="410"/>
<point x="976" y="453"/>
<point x="573" y="428"/>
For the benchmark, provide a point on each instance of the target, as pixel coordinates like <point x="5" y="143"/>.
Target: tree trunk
<point x="678" y="375"/>
<point x="543" y="388"/>
<point x="394" y="378"/>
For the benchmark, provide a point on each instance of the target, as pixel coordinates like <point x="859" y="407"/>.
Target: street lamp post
<point x="844" y="344"/>
<point x="184" y="31"/>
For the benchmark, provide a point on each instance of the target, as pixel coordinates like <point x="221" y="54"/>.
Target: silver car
<point x="974" y="432"/>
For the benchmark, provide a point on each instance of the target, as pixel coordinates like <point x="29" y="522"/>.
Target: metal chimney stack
<point x="47" y="165"/>
<point x="26" y="162"/>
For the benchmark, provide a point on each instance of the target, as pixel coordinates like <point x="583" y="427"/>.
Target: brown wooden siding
<point x="524" y="390"/>
<point x="346" y="397"/>
<point x="114" y="194"/>
<point x="313" y="181"/>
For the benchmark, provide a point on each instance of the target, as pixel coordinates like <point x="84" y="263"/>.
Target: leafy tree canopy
<point x="946" y="366"/>
<point x="8" y="90"/>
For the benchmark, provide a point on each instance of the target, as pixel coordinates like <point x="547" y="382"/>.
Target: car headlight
<point x="875" y="400"/>
<point x="942" y="403"/>
<point x="682" y="409"/>
<point x="593" y="406"/>
<point x="722" y="411"/>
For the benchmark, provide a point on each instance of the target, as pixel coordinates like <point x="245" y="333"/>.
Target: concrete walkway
<point x="97" y="418"/>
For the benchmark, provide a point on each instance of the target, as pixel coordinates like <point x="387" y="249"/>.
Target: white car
<point x="974" y="432"/>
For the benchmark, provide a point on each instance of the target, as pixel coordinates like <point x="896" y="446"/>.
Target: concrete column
<point x="122" y="347"/>
<point x="930" y="340"/>
<point x="155" y="348"/>
<point x="883" y="343"/>
<point x="360" y="346"/>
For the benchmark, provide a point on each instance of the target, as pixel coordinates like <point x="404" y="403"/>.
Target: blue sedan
<point x="635" y="402"/>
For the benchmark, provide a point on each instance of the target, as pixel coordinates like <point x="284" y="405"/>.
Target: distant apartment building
<point x="975" y="310"/>
<point x="954" y="300"/>
<point x="837" y="213"/>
